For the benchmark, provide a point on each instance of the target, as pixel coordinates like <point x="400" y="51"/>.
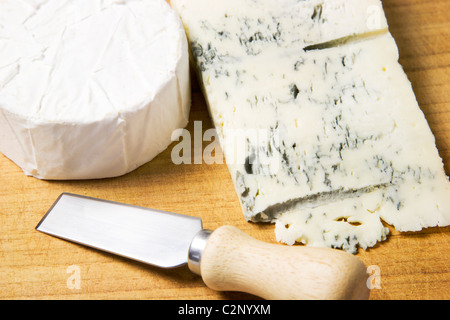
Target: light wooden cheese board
<point x="413" y="265"/>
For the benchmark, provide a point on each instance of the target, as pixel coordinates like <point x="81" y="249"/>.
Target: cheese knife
<point x="227" y="259"/>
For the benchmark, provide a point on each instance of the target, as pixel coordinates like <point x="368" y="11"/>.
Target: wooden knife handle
<point x="234" y="261"/>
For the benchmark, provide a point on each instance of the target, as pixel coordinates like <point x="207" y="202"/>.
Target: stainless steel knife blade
<point x="151" y="236"/>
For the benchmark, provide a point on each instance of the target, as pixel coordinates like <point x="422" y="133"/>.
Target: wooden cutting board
<point x="36" y="266"/>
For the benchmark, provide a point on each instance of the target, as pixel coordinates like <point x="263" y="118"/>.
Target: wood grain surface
<point x="412" y="265"/>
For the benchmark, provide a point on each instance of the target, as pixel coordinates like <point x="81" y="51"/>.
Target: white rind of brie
<point x="90" y="89"/>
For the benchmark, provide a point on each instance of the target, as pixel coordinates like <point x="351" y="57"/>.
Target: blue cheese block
<point x="315" y="114"/>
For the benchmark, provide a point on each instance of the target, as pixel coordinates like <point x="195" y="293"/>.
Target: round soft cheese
<point x="90" y="88"/>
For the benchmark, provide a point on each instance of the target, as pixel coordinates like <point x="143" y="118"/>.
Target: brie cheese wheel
<point x="90" y="88"/>
<point x="319" y="125"/>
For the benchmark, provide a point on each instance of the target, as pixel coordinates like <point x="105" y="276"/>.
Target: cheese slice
<point x="90" y="88"/>
<point x="317" y="120"/>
